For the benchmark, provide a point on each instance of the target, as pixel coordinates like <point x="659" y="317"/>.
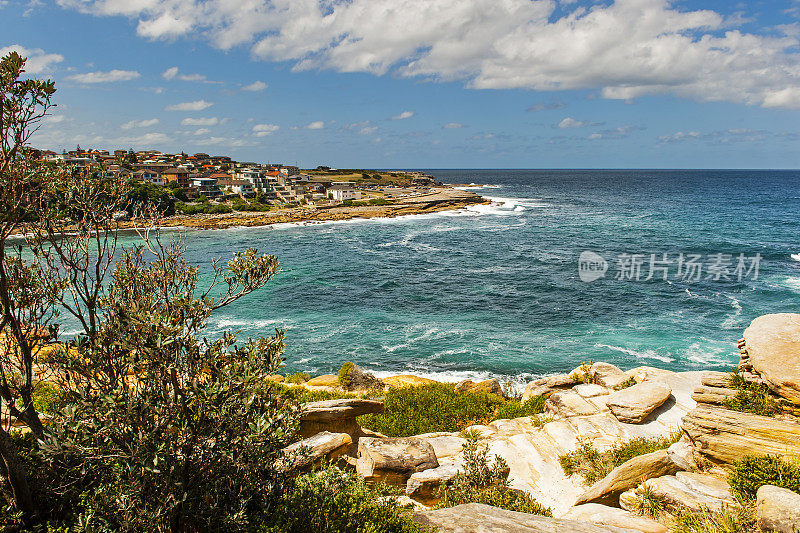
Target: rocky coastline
<point x="600" y="406"/>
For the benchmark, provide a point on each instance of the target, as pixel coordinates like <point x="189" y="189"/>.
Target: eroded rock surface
<point x="772" y="344"/>
<point x="634" y="404"/>
<point x="394" y="459"/>
<point x="778" y="509"/>
<point x="594" y="513"/>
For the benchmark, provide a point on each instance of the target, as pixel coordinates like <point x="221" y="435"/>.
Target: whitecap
<point x="645" y="354"/>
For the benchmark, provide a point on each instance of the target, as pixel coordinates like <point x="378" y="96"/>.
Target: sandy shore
<point x="441" y="199"/>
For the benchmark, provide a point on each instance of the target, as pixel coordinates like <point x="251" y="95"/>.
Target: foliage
<point x="751" y="397"/>
<point x="741" y="519"/>
<point x="594" y="465"/>
<point x="344" y="374"/>
<point x="583" y="373"/>
<point x="752" y="471"/>
<point x="480" y="482"/>
<point x="648" y="503"/>
<point x="206" y="208"/>
<point x="332" y="501"/>
<point x="630" y="382"/>
<point x="162" y="199"/>
<point x="240" y="204"/>
<point x="303" y="395"/>
<point x="431" y="407"/>
<point x="533" y="406"/>
<point x="298" y="377"/>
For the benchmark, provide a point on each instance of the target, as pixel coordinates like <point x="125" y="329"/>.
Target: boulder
<point x="594" y="513"/>
<point x="422" y="486"/>
<point x="627" y="476"/>
<point x="314" y="450"/>
<point x="336" y="416"/>
<point x="724" y="436"/>
<point x="445" y="444"/>
<point x="634" y="404"/>
<point x="568" y="403"/>
<point x="404" y="501"/>
<point x="407" y="381"/>
<point x="716" y="379"/>
<point x="778" y="509"/>
<point x="532" y="390"/>
<point x="715" y="395"/>
<point x="490" y="386"/>
<point x="682" y="496"/>
<point x="393" y="460"/>
<point x="682" y="454"/>
<point x="477" y="517"/>
<point x="590" y="390"/>
<point x="353" y="377"/>
<point x="608" y="375"/>
<point x="772" y="343"/>
<point x="559" y="381"/>
<point x="327" y="380"/>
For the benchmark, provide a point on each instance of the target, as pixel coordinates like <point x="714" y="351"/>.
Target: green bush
<point x="429" y="408"/>
<point x="512" y="409"/>
<point x="379" y="201"/>
<point x="200" y="207"/>
<point x="594" y="465"/>
<point x="630" y="382"/>
<point x="331" y="501"/>
<point x="753" y="471"/>
<point x="298" y="377"/>
<point x="751" y="397"/>
<point x="741" y="519"/>
<point x="479" y="482"/>
<point x="344" y="374"/>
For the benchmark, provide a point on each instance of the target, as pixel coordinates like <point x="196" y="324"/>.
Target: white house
<point x="340" y="193"/>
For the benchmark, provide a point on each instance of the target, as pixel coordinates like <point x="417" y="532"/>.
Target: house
<point x="207" y="187"/>
<point x="341" y="192"/>
<point x="149" y="176"/>
<point x="180" y="175"/>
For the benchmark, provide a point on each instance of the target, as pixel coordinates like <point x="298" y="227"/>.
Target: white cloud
<point x="255" y="86"/>
<point x="223" y="141"/>
<point x="623" y="48"/>
<point x="210" y="121"/>
<point x="105" y="77"/>
<point x="202" y="131"/>
<point x="316" y="125"/>
<point x="38" y="60"/>
<point x="55" y="119"/>
<point x="139" y="124"/>
<point x="594" y="136"/>
<point x="173" y="74"/>
<point x="403" y="115"/>
<point x="197" y="105"/>
<point x="679" y="136"/>
<point x="262" y="130"/>
<point x="570" y="122"/>
<point x="453" y="126"/>
<point x="546" y="106"/>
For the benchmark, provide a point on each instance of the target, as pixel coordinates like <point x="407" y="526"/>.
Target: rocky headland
<point x="710" y="420"/>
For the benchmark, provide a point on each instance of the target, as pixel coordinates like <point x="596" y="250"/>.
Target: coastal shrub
<point x="206" y="208"/>
<point x="648" y="503"/>
<point x="298" y="377"/>
<point x="303" y="395"/>
<point x="432" y="407"/>
<point x="593" y="465"/>
<point x="513" y="409"/>
<point x="332" y="501"/>
<point x="751" y="397"/>
<point x="344" y="374"/>
<point x="630" y="382"/>
<point x="480" y="482"/>
<point x="741" y="519"/>
<point x="752" y="471"/>
<point x="583" y="373"/>
<point x="379" y="201"/>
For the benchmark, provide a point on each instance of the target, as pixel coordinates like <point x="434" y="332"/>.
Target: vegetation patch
<point x="753" y="471"/>
<point x="731" y="520"/>
<point x="439" y="407"/>
<point x="751" y="397"/>
<point x="630" y="382"/>
<point x="583" y="373"/>
<point x="480" y="482"/>
<point x="298" y="377"/>
<point x="344" y="374"/>
<point x="593" y="465"/>
<point x="206" y="208"/>
<point x="332" y="501"/>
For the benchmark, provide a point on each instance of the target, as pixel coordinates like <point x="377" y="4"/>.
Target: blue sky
<point x="422" y="83"/>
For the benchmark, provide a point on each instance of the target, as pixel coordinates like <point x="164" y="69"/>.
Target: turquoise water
<point x="494" y="290"/>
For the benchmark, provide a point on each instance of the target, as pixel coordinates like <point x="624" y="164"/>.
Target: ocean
<point x="495" y="290"/>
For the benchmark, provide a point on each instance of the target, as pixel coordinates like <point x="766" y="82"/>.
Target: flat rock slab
<point x="594" y="513"/>
<point x="313" y="450"/>
<point x="724" y="435"/>
<point x="634" y="404"/>
<point x="339" y="409"/>
<point x="684" y="496"/>
<point x="422" y="486"/>
<point x="568" y="403"/>
<point x="590" y="390"/>
<point x="407" y="380"/>
<point x="773" y="345"/>
<point x="778" y="509"/>
<point x="394" y="459"/>
<point x="627" y="476"/>
<point x="608" y="375"/>
<point x="327" y="380"/>
<point x="477" y="517"/>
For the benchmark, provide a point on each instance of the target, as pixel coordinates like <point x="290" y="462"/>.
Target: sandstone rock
<point x="394" y="459"/>
<point x="627" y="476"/>
<point x="327" y="380"/>
<point x="682" y="454"/>
<point x="778" y="509"/>
<point x="556" y="382"/>
<point x="336" y="416"/>
<point x="422" y="486"/>
<point x="490" y="386"/>
<point x="444" y="444"/>
<point x="533" y="390"/>
<point x="715" y="395"/>
<point x="773" y="344"/>
<point x="724" y="435"/>
<point x="404" y="501"/>
<point x="480" y="518"/>
<point x="634" y="404"/>
<point x="353" y="377"/>
<point x="710" y="485"/>
<point x="407" y="381"/>
<point x="313" y="450"/>
<point x="608" y="375"/>
<point x="595" y="513"/>
<point x="276" y="378"/>
<point x="568" y="403"/>
<point x="628" y="500"/>
<point x="716" y="379"/>
<point x="590" y="390"/>
<point x="681" y="496"/>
